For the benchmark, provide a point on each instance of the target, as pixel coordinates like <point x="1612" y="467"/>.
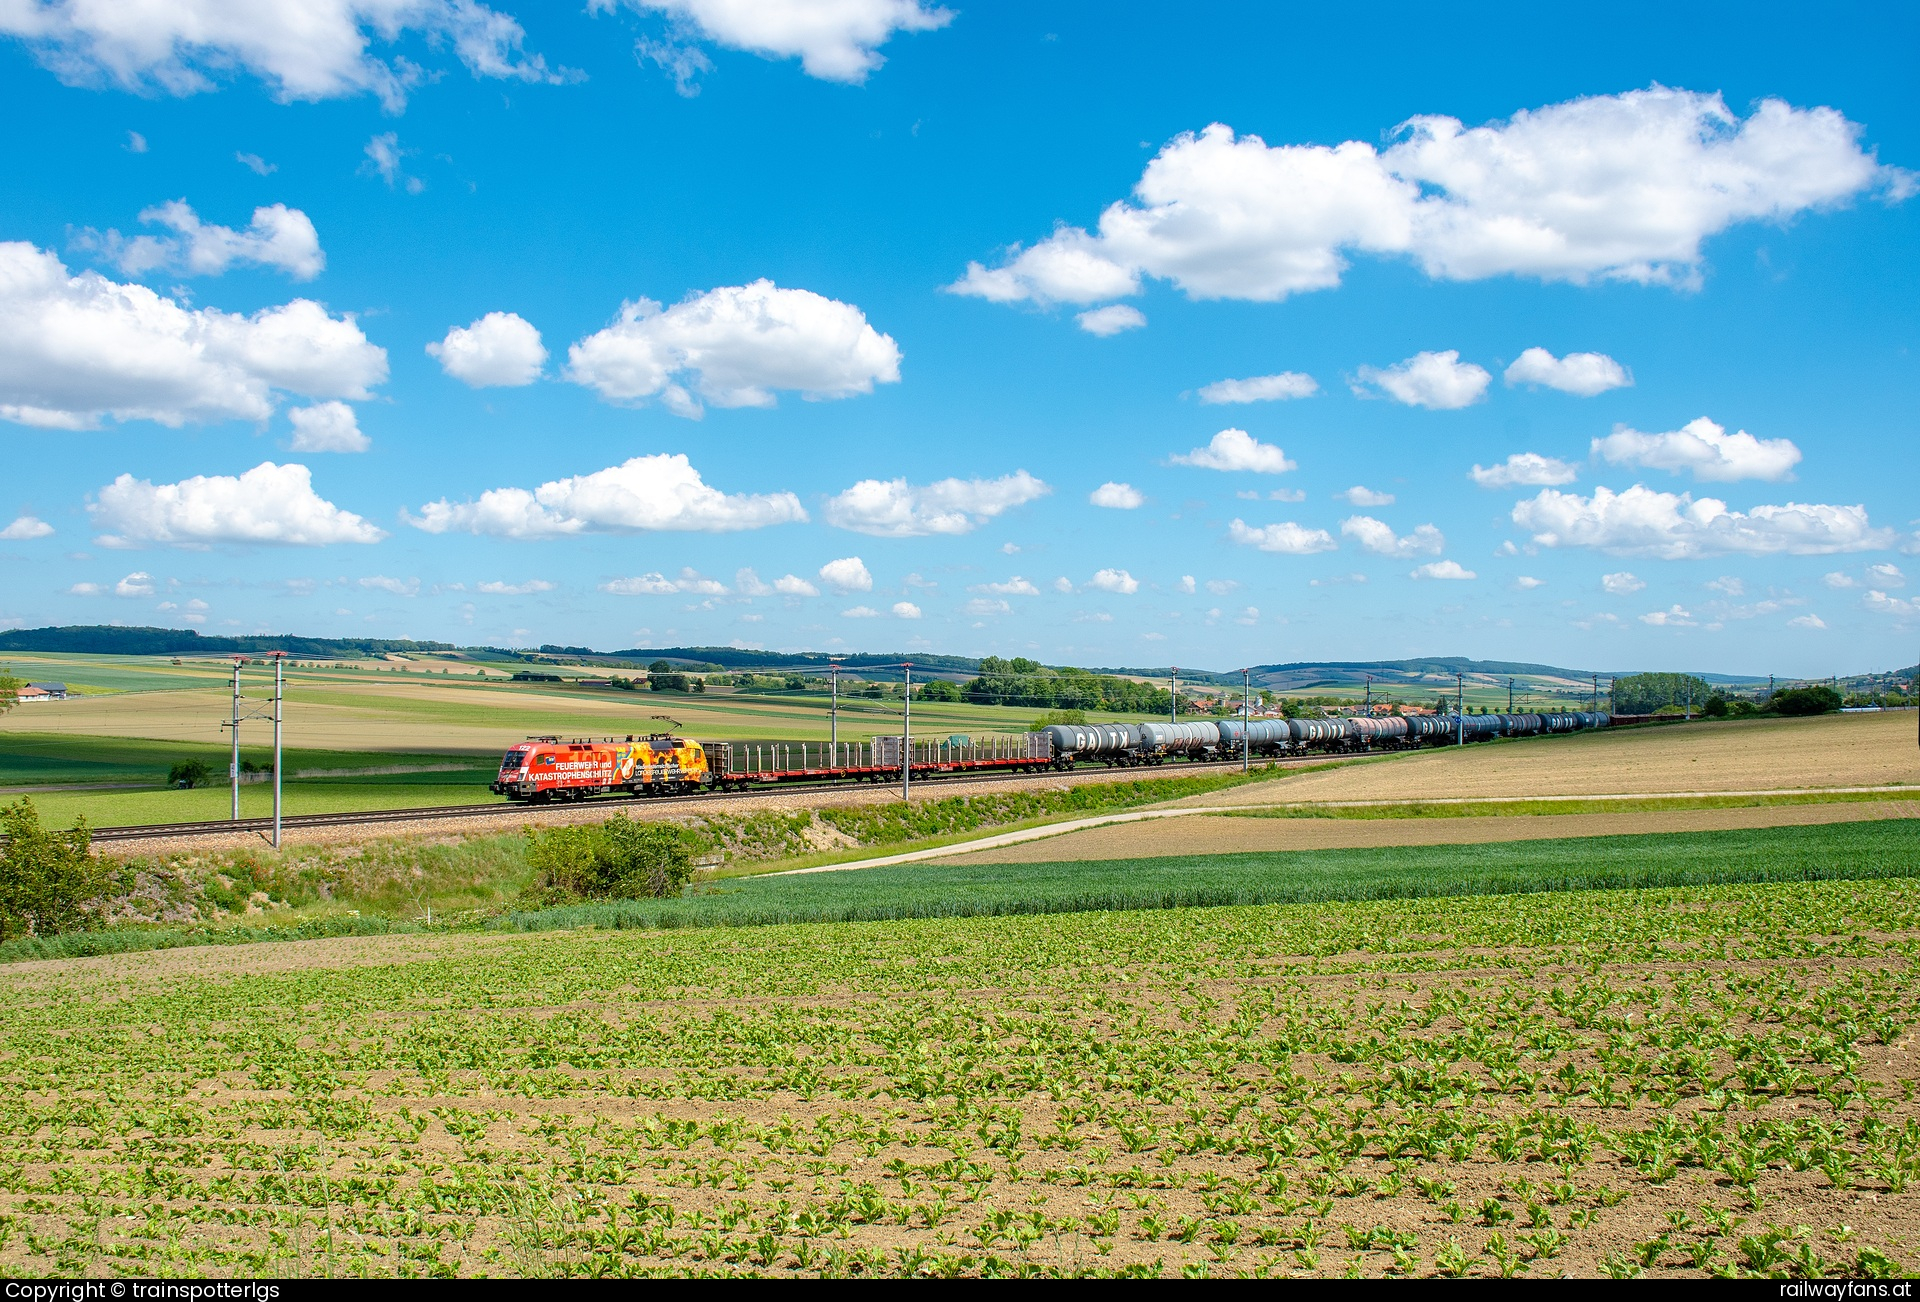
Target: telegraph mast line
<point x="270" y="710"/>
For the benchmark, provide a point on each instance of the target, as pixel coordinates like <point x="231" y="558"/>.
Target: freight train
<point x="544" y="769"/>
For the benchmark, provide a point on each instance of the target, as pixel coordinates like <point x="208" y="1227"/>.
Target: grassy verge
<point x="1571" y="805"/>
<point x="1833" y="851"/>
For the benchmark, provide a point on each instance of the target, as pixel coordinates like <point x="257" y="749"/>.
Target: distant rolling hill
<point x="1403" y="678"/>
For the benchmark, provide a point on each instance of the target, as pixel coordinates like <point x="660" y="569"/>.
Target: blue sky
<point x="892" y="326"/>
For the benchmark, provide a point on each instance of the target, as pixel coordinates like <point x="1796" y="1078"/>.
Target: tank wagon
<point x="1155" y="743"/>
<point x="545" y="769"/>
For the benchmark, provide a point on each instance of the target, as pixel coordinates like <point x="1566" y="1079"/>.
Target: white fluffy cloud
<point x="691" y="582"/>
<point x="500" y="349"/>
<point x="1704" y="448"/>
<point x="1880" y="602"/>
<point x="1675" y="526"/>
<point x="848" y="574"/>
<point x="24" y="527"/>
<point x="1069" y="267"/>
<point x="860" y="612"/>
<point x="1886" y="575"/>
<point x="1288" y="538"/>
<point x="1111" y="320"/>
<point x="327" y="427"/>
<point x="1360" y="495"/>
<point x="747" y="583"/>
<point x="1436" y="381"/>
<point x="1622" y="582"/>
<point x="498" y="589"/>
<point x="1261" y="388"/>
<point x="1378" y="537"/>
<point x="268" y="504"/>
<point x="1115" y="581"/>
<point x="981" y="607"/>
<point x="76" y="348"/>
<point x="1013" y="587"/>
<point x="1235" y="449"/>
<point x="1526" y="469"/>
<point x="386" y="160"/>
<point x="905" y="610"/>
<point x="1441" y="570"/>
<point x="1839" y="579"/>
<point x="302" y="49"/>
<point x="658" y="492"/>
<point x="1583" y="374"/>
<point x="137" y="584"/>
<point x="1675" y="616"/>
<point x="836" y="42"/>
<point x="893" y="508"/>
<point x="1117" y="497"/>
<point x="1527" y="583"/>
<point x="1806" y="621"/>
<point x="398" y="587"/>
<point x="734" y="346"/>
<point x="653" y="584"/>
<point x="279" y="236"/>
<point x="1611" y="187"/>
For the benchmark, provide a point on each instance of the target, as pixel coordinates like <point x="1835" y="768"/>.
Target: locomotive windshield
<point x="514" y="759"/>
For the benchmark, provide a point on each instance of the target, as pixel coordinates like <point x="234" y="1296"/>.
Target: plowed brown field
<point x="1843" y="750"/>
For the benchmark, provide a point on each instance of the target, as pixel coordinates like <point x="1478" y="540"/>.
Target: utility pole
<point x="1509" y="696"/>
<point x="1460" y="707"/>
<point x="906" y="735"/>
<point x="279" y="695"/>
<point x="833" y="712"/>
<point x="1596" y="693"/>
<point x="233" y="765"/>
<point x="1246" y="720"/>
<point x="1173" y="695"/>
<point x="1369" y="693"/>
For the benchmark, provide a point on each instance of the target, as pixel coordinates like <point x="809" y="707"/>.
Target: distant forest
<point x="100" y="639"/>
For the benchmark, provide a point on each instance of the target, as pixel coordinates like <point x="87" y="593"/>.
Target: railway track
<point x="435" y="813"/>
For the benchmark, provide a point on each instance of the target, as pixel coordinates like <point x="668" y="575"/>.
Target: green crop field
<point x="328" y="796"/>
<point x="1678" y="1079"/>
<point x="1853" y="850"/>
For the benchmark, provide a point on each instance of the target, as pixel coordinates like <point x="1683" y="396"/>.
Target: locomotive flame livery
<point x="544" y="769"/>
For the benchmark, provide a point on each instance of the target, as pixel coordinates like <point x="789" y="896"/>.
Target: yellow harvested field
<point x="393" y="713"/>
<point x="1838" y="750"/>
<point x="1224" y="834"/>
